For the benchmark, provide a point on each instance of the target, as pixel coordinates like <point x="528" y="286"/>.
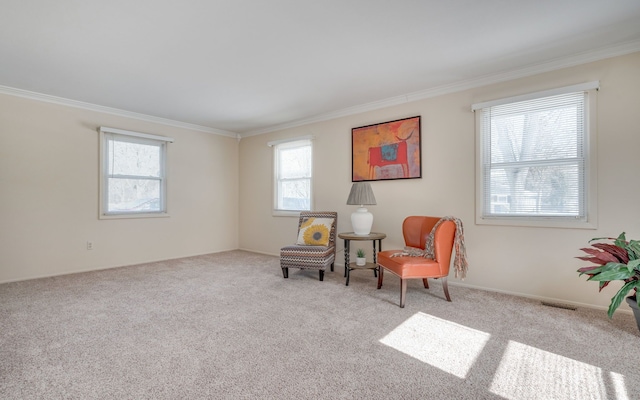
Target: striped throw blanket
<point x="460" y="263"/>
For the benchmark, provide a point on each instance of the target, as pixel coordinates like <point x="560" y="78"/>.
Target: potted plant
<point x="616" y="259"/>
<point x="360" y="258"/>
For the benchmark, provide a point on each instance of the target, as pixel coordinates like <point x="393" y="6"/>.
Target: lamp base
<point x="361" y="220"/>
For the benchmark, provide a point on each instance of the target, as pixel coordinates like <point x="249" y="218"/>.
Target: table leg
<point x="379" y="249"/>
<point x="375" y="258"/>
<point x="346" y="257"/>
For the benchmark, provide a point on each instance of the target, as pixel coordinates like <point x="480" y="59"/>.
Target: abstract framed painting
<point x="385" y="151"/>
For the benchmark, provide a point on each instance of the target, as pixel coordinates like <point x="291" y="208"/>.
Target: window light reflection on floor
<point x="526" y="372"/>
<point x="437" y="342"/>
<point x="619" y="386"/>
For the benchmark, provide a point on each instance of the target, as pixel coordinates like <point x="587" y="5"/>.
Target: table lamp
<point x="361" y="220"/>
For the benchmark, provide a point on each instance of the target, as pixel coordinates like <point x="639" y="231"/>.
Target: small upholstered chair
<point x="416" y="230"/>
<point x="315" y="247"/>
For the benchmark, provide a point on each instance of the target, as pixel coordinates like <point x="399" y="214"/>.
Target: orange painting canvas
<point x="390" y="150"/>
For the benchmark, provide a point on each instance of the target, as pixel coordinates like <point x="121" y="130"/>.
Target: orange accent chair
<point x="416" y="229"/>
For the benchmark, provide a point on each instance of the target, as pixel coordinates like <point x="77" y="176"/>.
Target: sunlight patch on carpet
<point x="451" y="347"/>
<point x="526" y="372"/>
<point x="619" y="386"/>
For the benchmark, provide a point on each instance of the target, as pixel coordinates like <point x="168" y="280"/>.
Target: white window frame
<point x="589" y="221"/>
<point x="107" y="134"/>
<point x="284" y="144"/>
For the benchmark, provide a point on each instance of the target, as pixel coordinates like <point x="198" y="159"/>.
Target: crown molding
<point x="559" y="63"/>
<point x="345" y="112"/>
<point x="113" y="111"/>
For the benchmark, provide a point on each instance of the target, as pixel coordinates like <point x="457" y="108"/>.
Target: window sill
<point x="285" y="213"/>
<point x="133" y="216"/>
<point x="539" y="222"/>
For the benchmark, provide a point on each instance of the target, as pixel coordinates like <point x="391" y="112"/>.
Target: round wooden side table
<point x="348" y="237"/>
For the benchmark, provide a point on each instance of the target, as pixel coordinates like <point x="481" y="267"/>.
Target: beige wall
<point x="49" y="194"/>
<point x="535" y="262"/>
<point x="220" y="195"/>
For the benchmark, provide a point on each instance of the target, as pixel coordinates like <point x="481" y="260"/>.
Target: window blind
<point x="293" y="175"/>
<point x="534" y="157"/>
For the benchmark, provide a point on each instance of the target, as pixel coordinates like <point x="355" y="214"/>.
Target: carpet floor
<point x="229" y="326"/>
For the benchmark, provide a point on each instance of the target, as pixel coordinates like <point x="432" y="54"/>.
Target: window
<point x="133" y="173"/>
<point x="292" y="183"/>
<point x="535" y="157"/>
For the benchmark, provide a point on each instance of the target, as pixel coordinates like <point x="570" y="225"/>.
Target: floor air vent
<point x="558" y="305"/>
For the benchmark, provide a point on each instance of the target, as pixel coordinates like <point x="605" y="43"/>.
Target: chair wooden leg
<point x="380" y="272"/>
<point x="426" y="283"/>
<point x="321" y="275"/>
<point x="445" y="286"/>
<point x="403" y="291"/>
<point x="331" y="267"/>
<point x="285" y="272"/>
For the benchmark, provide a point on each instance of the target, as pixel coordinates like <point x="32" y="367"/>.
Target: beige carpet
<point x="228" y="326"/>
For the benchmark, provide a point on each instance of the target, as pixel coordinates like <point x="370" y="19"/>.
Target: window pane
<point x="126" y="158"/>
<point x="533" y="158"/>
<point x="551" y="190"/>
<point x="294" y="195"/>
<point x="526" y="135"/>
<point x="133" y="195"/>
<point x="292" y="175"/>
<point x="295" y="162"/>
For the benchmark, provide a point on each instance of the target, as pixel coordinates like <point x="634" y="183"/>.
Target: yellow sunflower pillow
<point x="315" y="231"/>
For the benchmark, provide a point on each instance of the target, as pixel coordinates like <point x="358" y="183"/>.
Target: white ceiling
<point x="250" y="66"/>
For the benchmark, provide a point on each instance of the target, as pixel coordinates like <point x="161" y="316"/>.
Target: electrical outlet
<point x="89" y="246"/>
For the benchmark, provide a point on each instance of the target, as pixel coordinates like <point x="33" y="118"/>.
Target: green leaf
<point x="602" y="268"/>
<point x="633" y="265"/>
<point x="633" y="247"/>
<point x="617" y="299"/>
<point x="621" y="241"/>
<point x="590" y="270"/>
<point x="612" y="276"/>
<point x="601" y="238"/>
<point x="613" y="266"/>
<point x="612" y="272"/>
